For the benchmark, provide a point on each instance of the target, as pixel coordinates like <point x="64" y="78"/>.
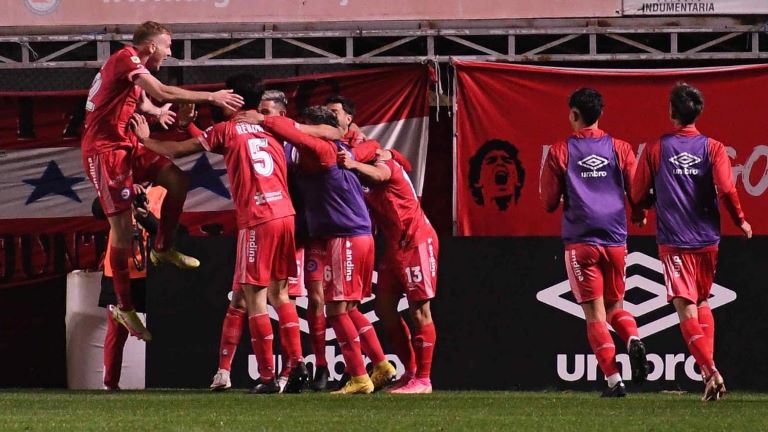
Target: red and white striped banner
<point x="43" y="189"/>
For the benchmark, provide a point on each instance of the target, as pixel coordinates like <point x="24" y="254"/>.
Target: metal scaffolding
<point x="615" y="39"/>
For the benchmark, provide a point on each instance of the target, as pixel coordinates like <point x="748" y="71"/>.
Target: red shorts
<point x="411" y="271"/>
<point x="596" y="271"/>
<point x="688" y="273"/>
<point x="296" y="286"/>
<point x="314" y="261"/>
<point x="348" y="268"/>
<point x="266" y="252"/>
<point x="114" y="172"/>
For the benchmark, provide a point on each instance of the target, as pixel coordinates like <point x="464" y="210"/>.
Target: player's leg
<point x="622" y="321"/>
<point x="582" y="262"/>
<point x="707" y="262"/>
<point x="262" y="336"/>
<point x="176" y="184"/>
<point x="389" y="291"/>
<point x="313" y="278"/>
<point x="231" y="333"/>
<point x="349" y="342"/>
<point x="114" y="342"/>
<point x="680" y="270"/>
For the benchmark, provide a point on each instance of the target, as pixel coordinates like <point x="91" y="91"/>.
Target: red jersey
<point x="111" y="101"/>
<point x="396" y="209"/>
<point x="257" y="171"/>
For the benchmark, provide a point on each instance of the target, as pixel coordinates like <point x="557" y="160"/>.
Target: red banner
<point x="45" y="200"/>
<point x="508" y="115"/>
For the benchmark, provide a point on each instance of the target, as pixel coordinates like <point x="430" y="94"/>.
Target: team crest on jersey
<point x="125" y="193"/>
<point x="135" y="59"/>
<point x="42" y="7"/>
<point x="594" y="163"/>
<point x="684" y="161"/>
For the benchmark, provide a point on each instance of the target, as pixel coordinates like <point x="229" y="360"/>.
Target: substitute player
<point x="109" y="150"/>
<point x="591" y="172"/>
<point x="684" y="174"/>
<point x="266" y="255"/>
<point x="409" y="264"/>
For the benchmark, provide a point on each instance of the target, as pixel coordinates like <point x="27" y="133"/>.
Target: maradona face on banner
<point x="646" y="299"/>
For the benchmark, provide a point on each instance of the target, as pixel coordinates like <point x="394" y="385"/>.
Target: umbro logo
<point x="649" y="310"/>
<point x="594" y="163"/>
<point x="684" y="161"/>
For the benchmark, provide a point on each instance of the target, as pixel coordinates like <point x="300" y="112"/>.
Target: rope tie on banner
<point x="435" y="65"/>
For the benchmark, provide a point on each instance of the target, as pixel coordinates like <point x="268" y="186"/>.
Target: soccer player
<point x="339" y="225"/>
<point x="363" y="149"/>
<point x="684" y="174"/>
<point x="109" y="150"/>
<point x="591" y="172"/>
<point x="266" y="255"/>
<point x="409" y="265"/>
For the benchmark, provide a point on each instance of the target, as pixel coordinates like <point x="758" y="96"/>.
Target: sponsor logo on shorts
<point x="311" y="265"/>
<point x="684" y="161"/>
<point x="125" y="193"/>
<point x="594" y="163"/>
<point x="92" y="174"/>
<point x="432" y="260"/>
<point x="349" y="265"/>
<point x="677" y="265"/>
<point x="252" y="247"/>
<point x="575" y="267"/>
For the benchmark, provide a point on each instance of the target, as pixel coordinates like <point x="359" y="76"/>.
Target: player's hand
<point x="186" y="115"/>
<point x="250" y="116"/>
<point x="359" y="135"/>
<point x="345" y="160"/>
<point x="746" y="228"/>
<point x="226" y="99"/>
<point x="139" y="126"/>
<point x="166" y="117"/>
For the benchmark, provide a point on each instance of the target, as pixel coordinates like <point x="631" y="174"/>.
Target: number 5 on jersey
<point x="262" y="161"/>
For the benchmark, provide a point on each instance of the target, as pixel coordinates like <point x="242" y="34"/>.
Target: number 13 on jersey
<point x="262" y="161"/>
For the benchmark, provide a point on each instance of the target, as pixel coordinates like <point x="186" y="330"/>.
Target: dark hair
<point x="147" y="30"/>
<point x="347" y="105"/>
<point x="589" y="102"/>
<point x="476" y="166"/>
<point x="276" y="96"/>
<point x="248" y="86"/>
<point x="687" y="102"/>
<point x="319" y="114"/>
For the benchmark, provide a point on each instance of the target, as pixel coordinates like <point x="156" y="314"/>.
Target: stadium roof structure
<point x="622" y="39"/>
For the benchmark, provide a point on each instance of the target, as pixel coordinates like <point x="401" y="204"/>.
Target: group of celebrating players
<point x="305" y="194"/>
<point x="321" y="224"/>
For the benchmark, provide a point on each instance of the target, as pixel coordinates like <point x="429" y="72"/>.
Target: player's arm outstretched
<point x="172" y="149"/>
<point x="378" y="173"/>
<point x="165" y="93"/>
<point x="164" y="114"/>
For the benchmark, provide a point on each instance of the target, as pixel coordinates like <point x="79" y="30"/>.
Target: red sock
<point x="290" y="333"/>
<point x="400" y="337"/>
<point x="231" y="332"/>
<point x="698" y="345"/>
<point x="169" y="218"/>
<point x="424" y="347"/>
<point x="118" y="260"/>
<point x="602" y="345"/>
<point x="114" y="342"/>
<point x="349" y="342"/>
<point x="624" y="324"/>
<point x="317" y="338"/>
<point x="707" y="324"/>
<point x="261" y="340"/>
<point x="369" y="341"/>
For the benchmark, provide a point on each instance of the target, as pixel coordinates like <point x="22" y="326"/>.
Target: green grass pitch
<point x="197" y="410"/>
